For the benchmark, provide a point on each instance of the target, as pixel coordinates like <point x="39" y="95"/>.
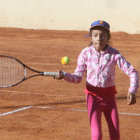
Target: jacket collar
<point x="100" y="53"/>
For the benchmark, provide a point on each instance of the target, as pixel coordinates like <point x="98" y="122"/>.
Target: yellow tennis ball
<point x="65" y="60"/>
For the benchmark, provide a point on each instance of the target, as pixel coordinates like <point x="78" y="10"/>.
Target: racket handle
<point x="50" y="73"/>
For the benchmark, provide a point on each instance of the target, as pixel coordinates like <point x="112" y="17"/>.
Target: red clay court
<point x="42" y="108"/>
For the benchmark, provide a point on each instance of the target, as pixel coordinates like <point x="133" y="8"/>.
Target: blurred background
<point x="123" y="15"/>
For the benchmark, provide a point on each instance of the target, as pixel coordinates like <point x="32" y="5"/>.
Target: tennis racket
<point x="13" y="71"/>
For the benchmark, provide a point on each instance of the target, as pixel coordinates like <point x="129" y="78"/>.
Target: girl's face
<point x="100" y="39"/>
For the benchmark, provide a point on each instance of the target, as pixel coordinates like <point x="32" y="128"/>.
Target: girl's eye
<point x="102" y="36"/>
<point x="95" y="35"/>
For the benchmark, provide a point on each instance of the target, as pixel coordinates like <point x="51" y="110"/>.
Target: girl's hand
<point x="131" y="98"/>
<point x="60" y="75"/>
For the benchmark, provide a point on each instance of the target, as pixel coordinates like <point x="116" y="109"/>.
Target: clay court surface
<point x="42" y="108"/>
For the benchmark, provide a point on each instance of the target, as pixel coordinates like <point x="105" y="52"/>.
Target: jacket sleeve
<point x="128" y="69"/>
<point x="76" y="77"/>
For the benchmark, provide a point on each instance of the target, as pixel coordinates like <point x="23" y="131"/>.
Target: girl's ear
<point x="90" y="33"/>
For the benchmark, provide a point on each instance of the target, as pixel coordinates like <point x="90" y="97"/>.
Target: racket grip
<point x="50" y="73"/>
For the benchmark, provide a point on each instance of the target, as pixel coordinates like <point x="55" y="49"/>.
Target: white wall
<point x="123" y="15"/>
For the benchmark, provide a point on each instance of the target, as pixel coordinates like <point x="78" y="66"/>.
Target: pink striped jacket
<point x="100" y="68"/>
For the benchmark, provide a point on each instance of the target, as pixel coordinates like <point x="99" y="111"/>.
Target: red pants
<point x="106" y="104"/>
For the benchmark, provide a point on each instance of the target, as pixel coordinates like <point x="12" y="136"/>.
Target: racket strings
<point x="11" y="72"/>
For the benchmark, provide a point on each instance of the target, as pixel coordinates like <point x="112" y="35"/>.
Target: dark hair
<point x="99" y="27"/>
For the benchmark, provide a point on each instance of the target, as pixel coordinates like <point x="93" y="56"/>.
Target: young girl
<point x="98" y="61"/>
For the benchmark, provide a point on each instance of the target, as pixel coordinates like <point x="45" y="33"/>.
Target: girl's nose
<point x="99" y="38"/>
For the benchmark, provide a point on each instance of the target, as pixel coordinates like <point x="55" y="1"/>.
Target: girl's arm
<point x="76" y="77"/>
<point x="127" y="68"/>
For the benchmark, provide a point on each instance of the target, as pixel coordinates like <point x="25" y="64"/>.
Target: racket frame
<point x="38" y="73"/>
